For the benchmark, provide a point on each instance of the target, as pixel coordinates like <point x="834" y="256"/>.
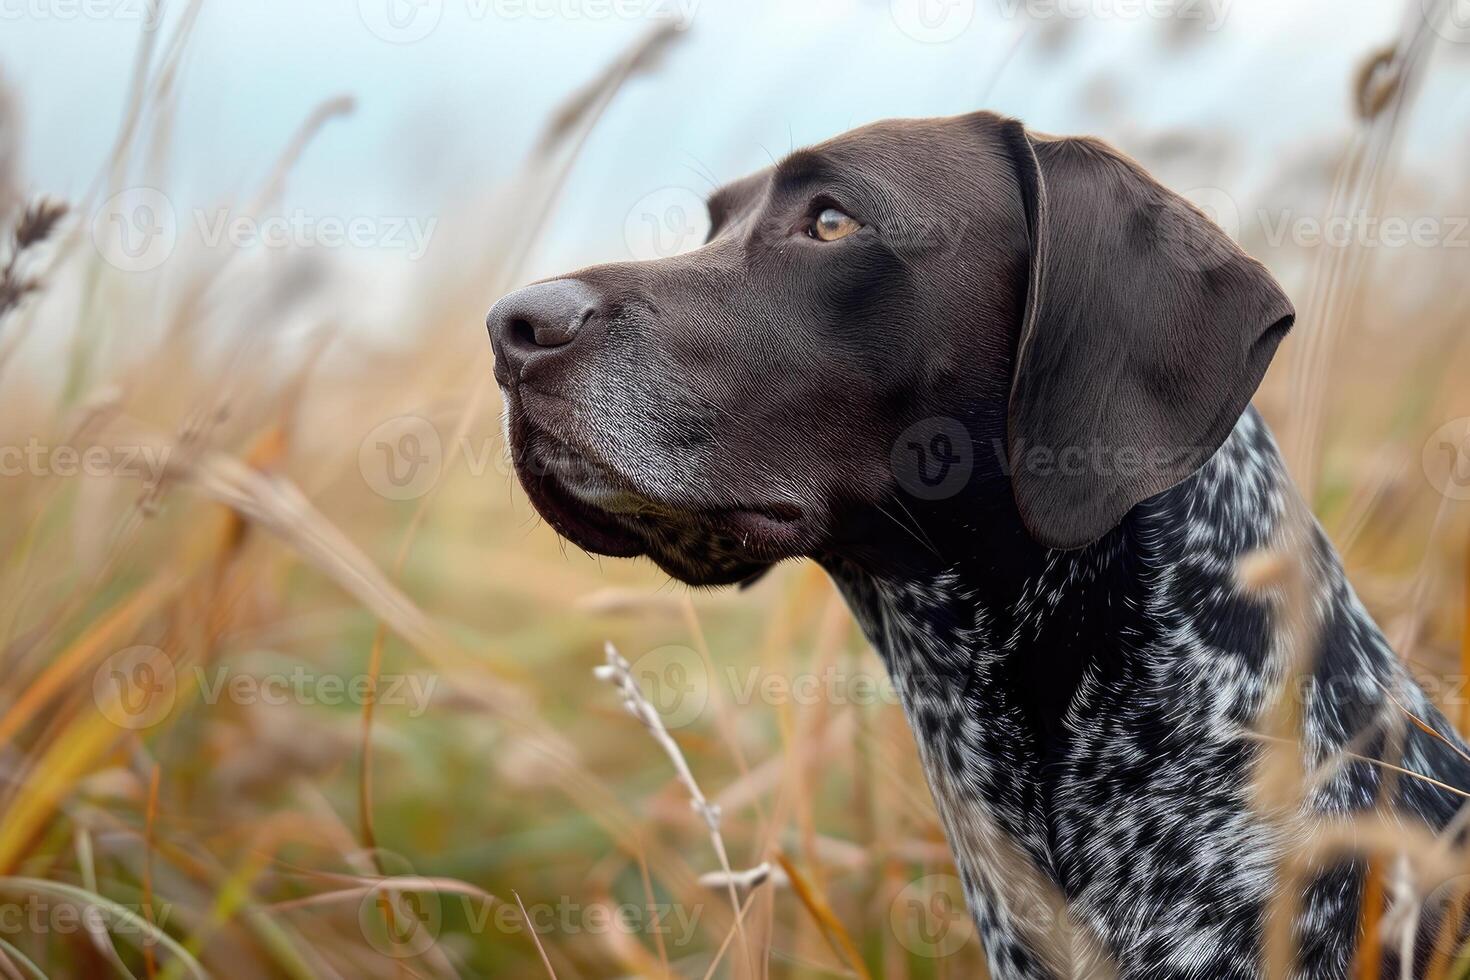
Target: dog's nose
<point x="539" y="323"/>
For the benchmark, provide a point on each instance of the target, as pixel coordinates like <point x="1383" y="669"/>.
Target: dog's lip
<point x="606" y="520"/>
<point x="770" y="531"/>
<point x="579" y="522"/>
<point x="610" y="496"/>
<point x="603" y="490"/>
<point x="570" y="516"/>
<point x="598" y="509"/>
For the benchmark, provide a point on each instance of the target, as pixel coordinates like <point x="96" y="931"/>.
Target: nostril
<point x="520" y="333"/>
<point x="535" y="321"/>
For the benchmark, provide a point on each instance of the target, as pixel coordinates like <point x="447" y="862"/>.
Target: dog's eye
<point x="832" y="224"/>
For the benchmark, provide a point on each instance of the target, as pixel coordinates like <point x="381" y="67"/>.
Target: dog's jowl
<point x="999" y="385"/>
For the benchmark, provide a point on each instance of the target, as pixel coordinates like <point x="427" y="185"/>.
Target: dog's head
<point x="908" y="299"/>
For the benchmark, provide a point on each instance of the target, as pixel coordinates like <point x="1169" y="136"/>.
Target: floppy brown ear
<point x="1146" y="331"/>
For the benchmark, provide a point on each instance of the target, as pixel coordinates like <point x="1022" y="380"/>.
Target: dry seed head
<point x="12" y="291"/>
<point x="37" y="222"/>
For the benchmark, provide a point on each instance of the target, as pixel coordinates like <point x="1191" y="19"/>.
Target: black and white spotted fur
<point x="1094" y="712"/>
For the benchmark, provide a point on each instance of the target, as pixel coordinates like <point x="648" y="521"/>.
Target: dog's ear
<point x="1145" y="333"/>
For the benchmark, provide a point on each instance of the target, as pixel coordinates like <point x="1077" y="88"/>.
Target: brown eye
<point x="832" y="224"/>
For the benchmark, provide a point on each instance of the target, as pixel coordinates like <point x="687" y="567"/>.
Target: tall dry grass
<point x="239" y="838"/>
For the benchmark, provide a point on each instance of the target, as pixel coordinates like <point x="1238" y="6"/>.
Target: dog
<point x="998" y="385"/>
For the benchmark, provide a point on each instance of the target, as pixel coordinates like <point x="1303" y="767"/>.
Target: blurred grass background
<point x="495" y="780"/>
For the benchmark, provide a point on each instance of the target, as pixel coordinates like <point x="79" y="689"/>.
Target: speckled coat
<point x="1087" y="731"/>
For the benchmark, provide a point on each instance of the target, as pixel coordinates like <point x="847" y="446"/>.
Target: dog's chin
<point x="600" y="512"/>
<point x="584" y="525"/>
<point x="725" y="547"/>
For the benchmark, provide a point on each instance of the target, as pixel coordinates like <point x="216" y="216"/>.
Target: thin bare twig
<point x="545" y="961"/>
<point x="619" y="673"/>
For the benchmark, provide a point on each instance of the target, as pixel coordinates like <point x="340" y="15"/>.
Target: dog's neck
<point x="1059" y="698"/>
<point x="979" y="607"/>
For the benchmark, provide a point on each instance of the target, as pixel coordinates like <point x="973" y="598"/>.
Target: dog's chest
<point x="1118" y="816"/>
<point x="1060" y="841"/>
<point x="937" y="649"/>
<point x="1125" y="801"/>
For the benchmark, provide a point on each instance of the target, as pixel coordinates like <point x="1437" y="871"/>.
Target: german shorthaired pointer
<point x="998" y="385"/>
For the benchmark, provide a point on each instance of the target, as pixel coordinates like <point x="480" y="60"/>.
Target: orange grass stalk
<point x="365" y="749"/>
<point x="1465" y="646"/>
<point x="51" y="779"/>
<point x="832" y="929"/>
<point x="106" y="635"/>
<point x="150" y="827"/>
<point x="1369" y="959"/>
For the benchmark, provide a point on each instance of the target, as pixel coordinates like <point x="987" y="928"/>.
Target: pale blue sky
<point x="446" y="117"/>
